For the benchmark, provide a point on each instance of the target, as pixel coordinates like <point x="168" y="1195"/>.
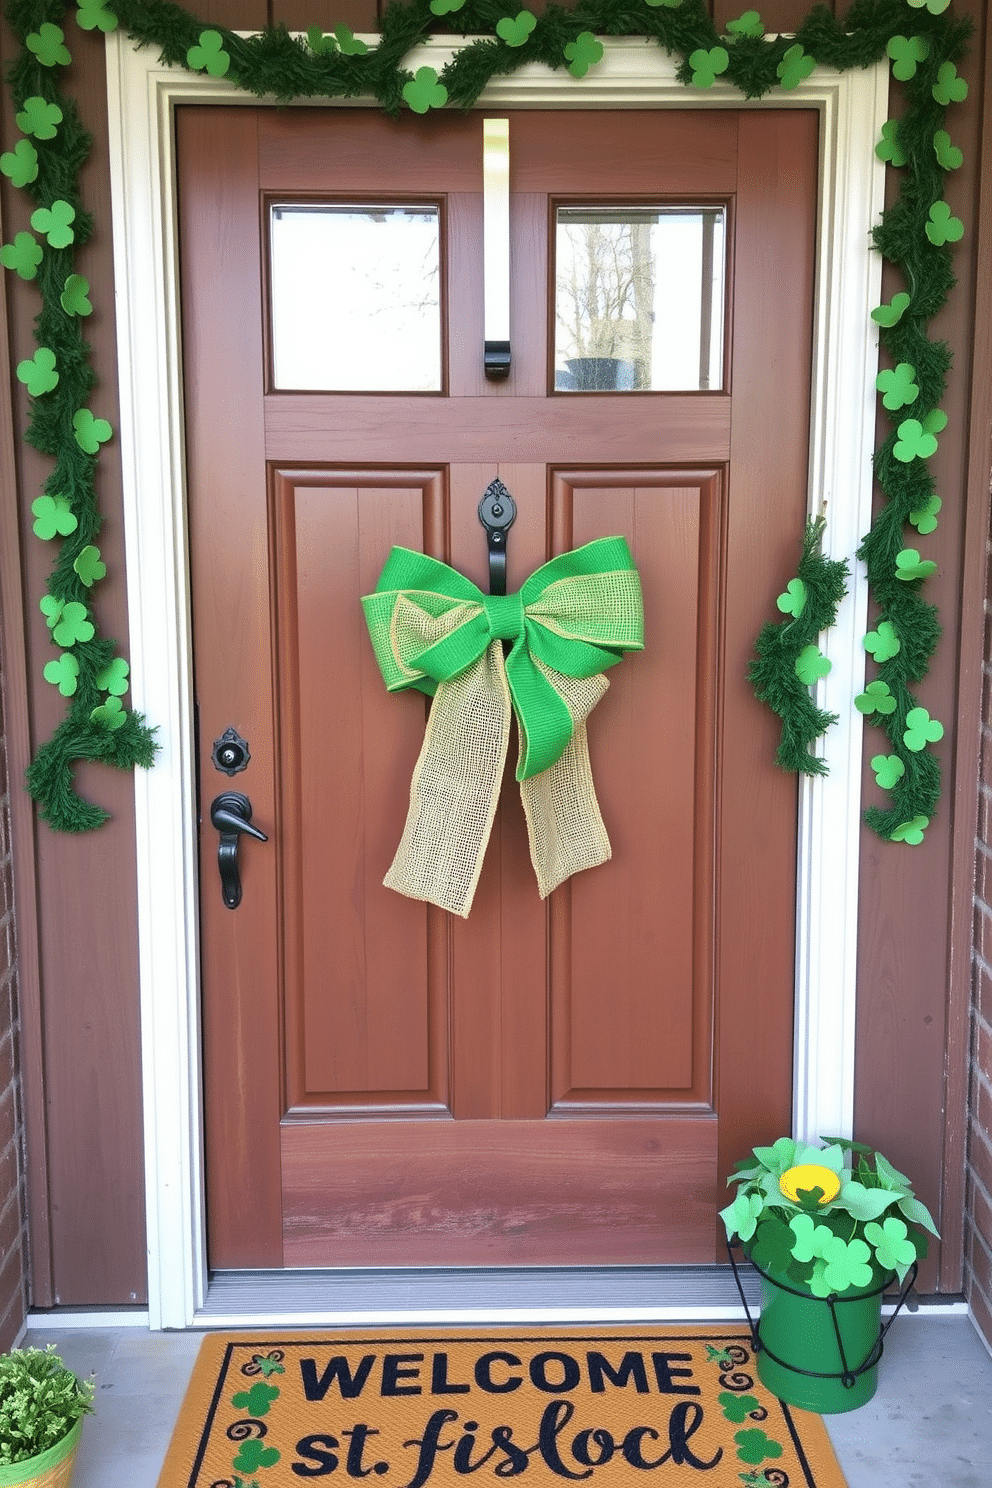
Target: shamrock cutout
<point x="793" y="601"/>
<point x="63" y="673"/>
<point x="794" y="67"/>
<point x="74" y="297"/>
<point x="906" y="52"/>
<point x="754" y="1445"/>
<point x="73" y="625"/>
<point x="935" y="422"/>
<point x="811" y="665"/>
<point x="48" y="45"/>
<point x="54" y="223"/>
<point x="21" y="163"/>
<point x="910" y="832"/>
<point x="921" y="730"/>
<point x="948" y="155"/>
<point x="424" y="92"/>
<point x="897" y="385"/>
<point x="23" y="255"/>
<point x="515" y="31"/>
<point x="914" y="442"/>
<point x="53" y="515"/>
<point x="876" y="698"/>
<point x="882" y="643"/>
<point x="925" y="520"/>
<point x="253" y="1455"/>
<point x="89" y="566"/>
<point x="52" y="609"/>
<point x="847" y="1265"/>
<point x="910" y="566"/>
<point x="113" y="677"/>
<point x="707" y="65"/>
<point x="949" y="88"/>
<point x="888" y="147"/>
<point x="671" y="4"/>
<point x="210" y="55"/>
<point x="894" y="1250"/>
<point x="772" y="1248"/>
<point x="39" y="118"/>
<point x="935" y="7"/>
<point x="39" y="375"/>
<point x="91" y="13"/>
<point x="943" y="227"/>
<point x="810" y="1238"/>
<point x="348" y="43"/>
<point x="889" y="770"/>
<point x="446" y="7"/>
<point x="893" y="312"/>
<point x="737" y="1408"/>
<point x="257" y="1400"/>
<point x="741" y="1217"/>
<point x="749" y="24"/>
<point x="320" y="44"/>
<point x="90" y="432"/>
<point x="583" y="53"/>
<point x="110" y="715"/>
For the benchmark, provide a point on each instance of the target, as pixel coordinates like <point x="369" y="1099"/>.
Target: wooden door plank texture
<point x="583" y="1193"/>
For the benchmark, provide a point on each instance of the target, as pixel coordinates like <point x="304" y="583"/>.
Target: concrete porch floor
<point x="928" y="1426"/>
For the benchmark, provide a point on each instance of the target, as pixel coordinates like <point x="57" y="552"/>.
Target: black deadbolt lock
<point x="230" y="752"/>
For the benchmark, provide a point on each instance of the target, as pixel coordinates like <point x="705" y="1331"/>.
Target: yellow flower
<point x="807" y="1177"/>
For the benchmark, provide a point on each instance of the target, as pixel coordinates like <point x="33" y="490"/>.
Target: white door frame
<point x="142" y="95"/>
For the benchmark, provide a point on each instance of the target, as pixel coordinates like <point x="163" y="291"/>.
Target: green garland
<point x="915" y="233"/>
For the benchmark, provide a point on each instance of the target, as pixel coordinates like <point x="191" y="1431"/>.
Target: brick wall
<point x="13" y="1247"/>
<point x="978" y="1230"/>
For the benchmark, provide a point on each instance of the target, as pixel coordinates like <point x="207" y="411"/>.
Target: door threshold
<point x="477" y="1295"/>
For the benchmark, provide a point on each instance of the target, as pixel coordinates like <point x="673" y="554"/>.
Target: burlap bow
<point x="432" y="629"/>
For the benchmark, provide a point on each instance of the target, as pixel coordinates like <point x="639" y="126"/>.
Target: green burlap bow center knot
<point x="432" y="629"/>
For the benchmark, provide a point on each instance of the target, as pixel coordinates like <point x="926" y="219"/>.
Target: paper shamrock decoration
<point x="893" y="312"/>
<point x="795" y="67"/>
<point x="911" y="832"/>
<point x="582" y="53"/>
<point x="889" y="770"/>
<point x="20" y="165"/>
<point x="949" y="88"/>
<point x="888" y="147"/>
<point x="943" y="227"/>
<point x="514" y="30"/>
<point x="935" y="7"/>
<point x="63" y="673"/>
<point x="898" y="385"/>
<point x="948" y="155"/>
<point x="921" y="730"/>
<point x="92" y="15"/>
<point x="39" y="118"/>
<point x="90" y="432"/>
<point x="39" y="375"/>
<point x="748" y="24"/>
<point x="906" y="53"/>
<point x="890" y="1239"/>
<point x="708" y="65"/>
<point x="55" y="223"/>
<point x="349" y="44"/>
<point x="89" y="566"/>
<point x="876" y="698"/>
<point x="882" y="643"/>
<point x="53" y="515"/>
<point x="424" y="92"/>
<point x="48" y="45"/>
<point x="209" y="56"/>
<point x="793" y="601"/>
<point x="75" y="296"/>
<point x="909" y="566"/>
<point x="70" y="622"/>
<point x="925" y="520"/>
<point x="811" y="665"/>
<point x="914" y="442"/>
<point x="113" y="677"/>
<point x="23" y="255"/>
<point x="110" y="715"/>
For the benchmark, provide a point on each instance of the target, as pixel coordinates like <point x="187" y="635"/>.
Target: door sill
<point x="476" y="1295"/>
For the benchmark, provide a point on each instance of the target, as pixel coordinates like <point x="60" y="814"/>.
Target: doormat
<point x="610" y="1407"/>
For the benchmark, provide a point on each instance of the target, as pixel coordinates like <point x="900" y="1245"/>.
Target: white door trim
<point x="142" y="94"/>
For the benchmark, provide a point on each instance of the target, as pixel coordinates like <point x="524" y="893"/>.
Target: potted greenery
<point x="42" y="1405"/>
<point x="828" y="1229"/>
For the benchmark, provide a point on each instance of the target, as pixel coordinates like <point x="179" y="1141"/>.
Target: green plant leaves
<point x="39" y="375"/>
<point x="20" y="165"/>
<point x="53" y="516"/>
<point x="209" y="56"/>
<point x="90" y="432"/>
<point x="582" y="53"/>
<point x="708" y="65"/>
<point x="74" y="298"/>
<point x="23" y="255"/>
<point x="424" y="92"/>
<point x="55" y="223"/>
<point x="48" y="45"/>
<point x="515" y="30"/>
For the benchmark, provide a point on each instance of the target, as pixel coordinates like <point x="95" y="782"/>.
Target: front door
<point x="559" y="1082"/>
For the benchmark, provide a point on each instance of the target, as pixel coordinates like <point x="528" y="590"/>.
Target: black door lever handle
<point x="230" y="813"/>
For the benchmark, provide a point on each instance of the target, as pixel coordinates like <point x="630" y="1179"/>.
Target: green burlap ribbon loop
<point x="434" y="630"/>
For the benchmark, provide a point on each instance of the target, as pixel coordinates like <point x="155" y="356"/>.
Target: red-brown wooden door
<point x="557" y="1083"/>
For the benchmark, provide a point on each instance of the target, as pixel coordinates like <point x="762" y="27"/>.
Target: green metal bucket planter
<point x="51" y="1469"/>
<point x="820" y="1353"/>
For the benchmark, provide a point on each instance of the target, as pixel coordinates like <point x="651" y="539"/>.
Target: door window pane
<point x="639" y="298"/>
<point x="356" y="303"/>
